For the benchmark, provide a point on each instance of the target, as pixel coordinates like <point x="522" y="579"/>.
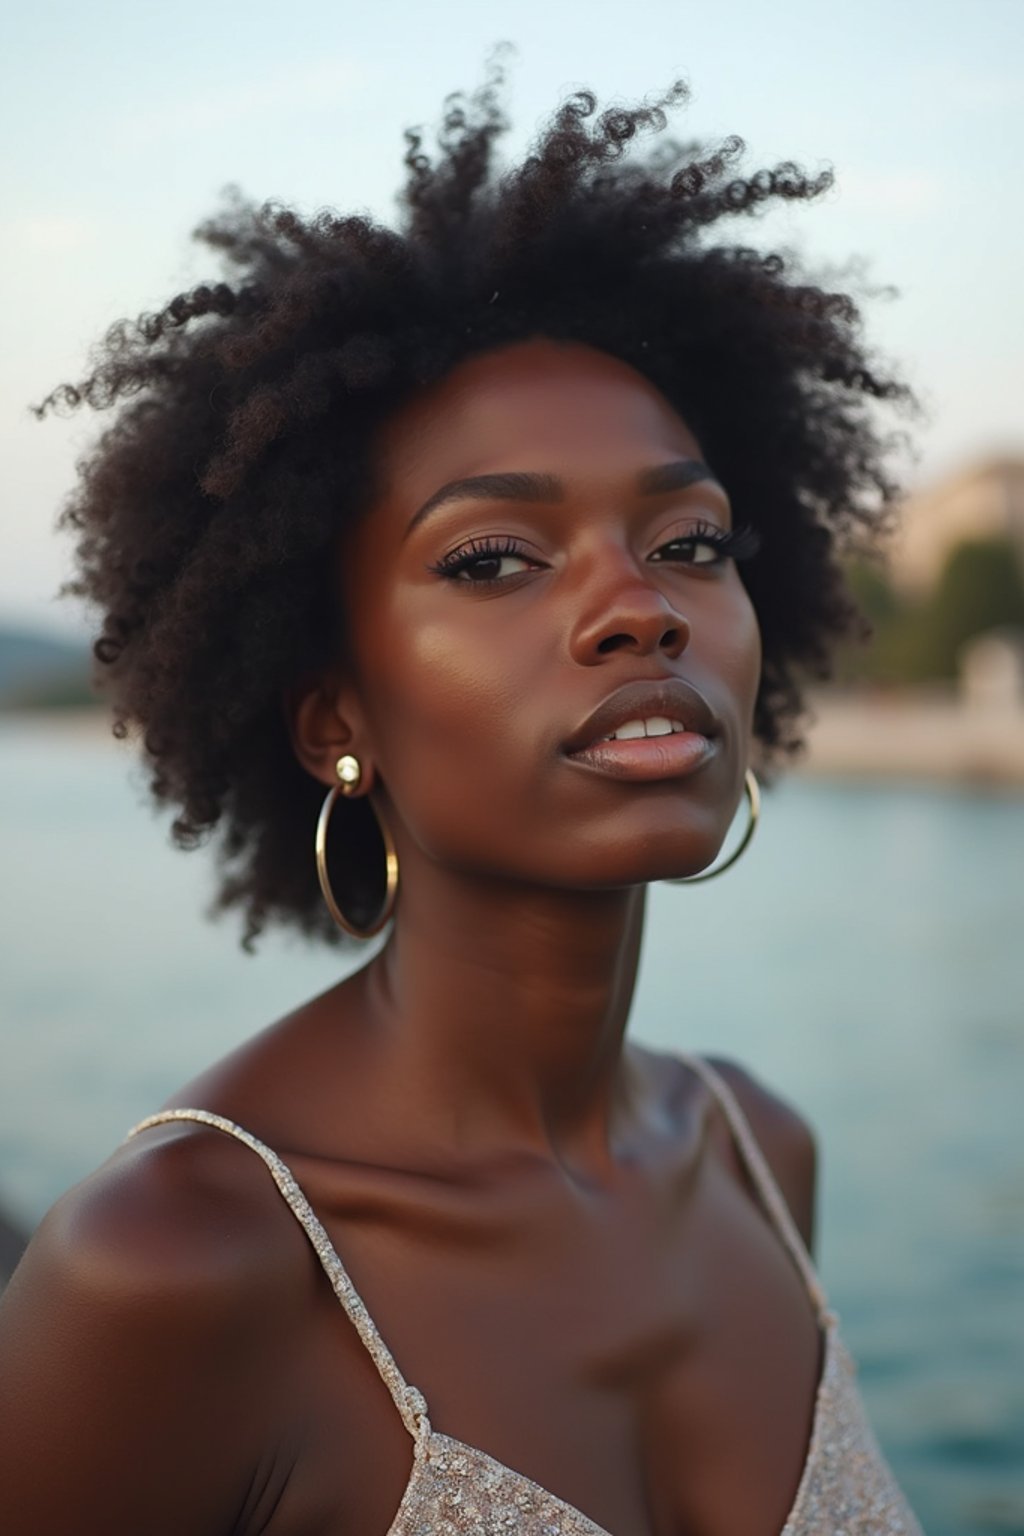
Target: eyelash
<point x="452" y="565"/>
<point x="740" y="543"/>
<point x="737" y="544"/>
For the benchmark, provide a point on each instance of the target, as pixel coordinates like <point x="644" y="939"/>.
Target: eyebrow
<point x="515" y="485"/>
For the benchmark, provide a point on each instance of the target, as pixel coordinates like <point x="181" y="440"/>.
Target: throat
<point x="510" y="1016"/>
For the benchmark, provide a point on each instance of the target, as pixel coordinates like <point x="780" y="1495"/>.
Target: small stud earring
<point x="350" y="773"/>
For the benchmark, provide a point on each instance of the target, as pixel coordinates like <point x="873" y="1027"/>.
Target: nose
<point x="624" y="610"/>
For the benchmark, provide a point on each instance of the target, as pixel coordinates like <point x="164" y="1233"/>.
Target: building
<point x="983" y="501"/>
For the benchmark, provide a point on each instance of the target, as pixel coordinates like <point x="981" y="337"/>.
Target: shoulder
<point x="178" y="1217"/>
<point x="172" y="1245"/>
<point x="143" y="1332"/>
<point x="785" y="1137"/>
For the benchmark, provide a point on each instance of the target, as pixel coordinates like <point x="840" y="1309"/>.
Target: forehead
<point x="538" y="404"/>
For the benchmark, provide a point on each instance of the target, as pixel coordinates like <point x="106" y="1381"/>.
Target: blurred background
<point x="865" y="955"/>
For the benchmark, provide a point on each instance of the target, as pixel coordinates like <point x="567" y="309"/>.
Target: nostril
<point x="668" y="640"/>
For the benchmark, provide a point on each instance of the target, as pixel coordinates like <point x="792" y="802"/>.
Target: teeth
<point x="657" y="725"/>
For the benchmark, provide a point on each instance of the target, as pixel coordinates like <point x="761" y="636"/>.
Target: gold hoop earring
<point x="753" y="793"/>
<point x="350" y="774"/>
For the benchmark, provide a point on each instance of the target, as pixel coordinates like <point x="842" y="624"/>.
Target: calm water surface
<point x="866" y="957"/>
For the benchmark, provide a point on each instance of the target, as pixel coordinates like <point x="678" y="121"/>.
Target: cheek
<point x="738" y="647"/>
<point x="454" y="681"/>
<point x="725" y="640"/>
<point x="448" y="701"/>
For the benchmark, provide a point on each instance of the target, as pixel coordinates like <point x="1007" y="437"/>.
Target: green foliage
<point x="916" y="641"/>
<point x="981" y="587"/>
<point x="889" y="657"/>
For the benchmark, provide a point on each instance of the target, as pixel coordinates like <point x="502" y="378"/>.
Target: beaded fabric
<point x="454" y="1489"/>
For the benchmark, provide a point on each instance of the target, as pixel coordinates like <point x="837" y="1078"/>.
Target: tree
<point x="890" y="655"/>
<point x="981" y="587"/>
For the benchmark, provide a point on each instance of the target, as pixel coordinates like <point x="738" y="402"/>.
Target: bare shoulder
<point x="782" y="1132"/>
<point x="785" y="1137"/>
<point x="180" y="1215"/>
<point x="179" y="1236"/>
<point x="134" y="1334"/>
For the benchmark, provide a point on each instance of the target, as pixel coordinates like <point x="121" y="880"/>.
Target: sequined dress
<point x="454" y="1489"/>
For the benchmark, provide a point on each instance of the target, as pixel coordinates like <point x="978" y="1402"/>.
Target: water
<point x="866" y="956"/>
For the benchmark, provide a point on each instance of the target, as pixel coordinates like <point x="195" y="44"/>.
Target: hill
<point x="42" y="671"/>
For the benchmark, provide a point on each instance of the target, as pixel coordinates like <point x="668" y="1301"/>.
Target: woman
<point x="463" y="576"/>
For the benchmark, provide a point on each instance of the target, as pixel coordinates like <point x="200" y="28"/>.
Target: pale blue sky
<point x="122" y="121"/>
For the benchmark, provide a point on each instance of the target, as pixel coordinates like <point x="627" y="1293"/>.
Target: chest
<point x="653" y="1364"/>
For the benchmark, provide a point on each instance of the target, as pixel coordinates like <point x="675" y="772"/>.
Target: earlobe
<point x="324" y="725"/>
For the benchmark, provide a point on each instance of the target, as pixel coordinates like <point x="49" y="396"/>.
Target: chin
<point x="633" y="869"/>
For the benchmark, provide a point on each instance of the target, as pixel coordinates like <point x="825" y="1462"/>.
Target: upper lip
<point x="669" y="697"/>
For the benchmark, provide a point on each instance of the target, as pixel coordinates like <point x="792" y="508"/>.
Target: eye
<point x="485" y="562"/>
<point x="707" y="544"/>
<point x="692" y="550"/>
<point x="491" y="567"/>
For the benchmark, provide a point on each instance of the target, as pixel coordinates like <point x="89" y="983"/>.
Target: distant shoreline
<point x="86" y="723"/>
<point x="927" y="739"/>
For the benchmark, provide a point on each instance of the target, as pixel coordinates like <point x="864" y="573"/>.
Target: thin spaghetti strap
<point x="764" y="1180"/>
<point x="409" y="1401"/>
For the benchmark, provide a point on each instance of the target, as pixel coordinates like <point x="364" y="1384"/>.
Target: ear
<point x="325" y="722"/>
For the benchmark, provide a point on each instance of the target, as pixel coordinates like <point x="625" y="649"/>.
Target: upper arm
<point x="132" y="1366"/>
<point x="785" y="1138"/>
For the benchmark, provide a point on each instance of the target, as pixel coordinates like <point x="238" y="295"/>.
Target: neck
<point x="502" y="1014"/>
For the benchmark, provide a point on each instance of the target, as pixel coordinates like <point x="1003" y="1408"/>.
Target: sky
<point x="121" y="123"/>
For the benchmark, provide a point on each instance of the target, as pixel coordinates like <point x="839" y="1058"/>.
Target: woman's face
<point x="489" y="622"/>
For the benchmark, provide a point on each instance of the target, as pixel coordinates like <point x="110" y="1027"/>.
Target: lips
<point x="669" y="699"/>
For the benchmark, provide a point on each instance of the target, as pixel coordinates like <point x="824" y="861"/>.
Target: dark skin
<point x="550" y="1225"/>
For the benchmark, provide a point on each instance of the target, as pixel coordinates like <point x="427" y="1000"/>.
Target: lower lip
<point x="647" y="758"/>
